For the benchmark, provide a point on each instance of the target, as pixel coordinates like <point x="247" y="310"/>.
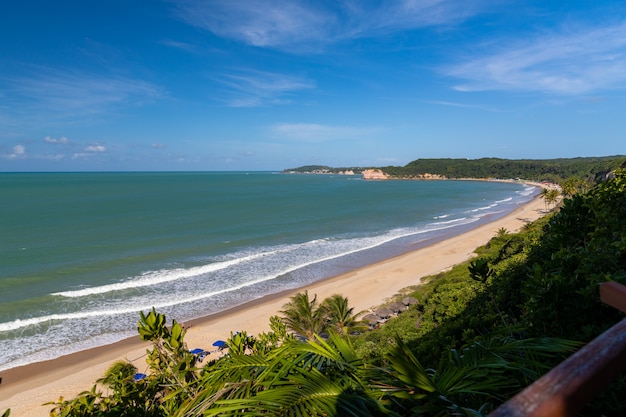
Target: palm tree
<point x="553" y="196"/>
<point x="340" y="316"/>
<point x="549" y="196"/>
<point x="303" y="315"/>
<point x="544" y="195"/>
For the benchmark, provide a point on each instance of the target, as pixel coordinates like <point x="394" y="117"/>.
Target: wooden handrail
<point x="566" y="389"/>
<point x="613" y="294"/>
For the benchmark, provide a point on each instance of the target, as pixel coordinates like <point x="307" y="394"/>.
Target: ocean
<point x="82" y="253"/>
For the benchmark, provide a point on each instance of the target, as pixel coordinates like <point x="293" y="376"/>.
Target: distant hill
<point x="591" y="169"/>
<point x="322" y="169"/>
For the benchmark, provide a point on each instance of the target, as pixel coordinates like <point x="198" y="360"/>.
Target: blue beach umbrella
<point x="219" y="343"/>
<point x="139" y="377"/>
<point x="196" y="351"/>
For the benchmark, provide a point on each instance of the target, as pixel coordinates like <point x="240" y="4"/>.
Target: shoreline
<point x="24" y="389"/>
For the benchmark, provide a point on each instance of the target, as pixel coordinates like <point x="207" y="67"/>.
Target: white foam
<point x="159" y="277"/>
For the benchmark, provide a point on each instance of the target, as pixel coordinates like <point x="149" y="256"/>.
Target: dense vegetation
<point x="322" y="169"/>
<point x="554" y="170"/>
<point x="479" y="334"/>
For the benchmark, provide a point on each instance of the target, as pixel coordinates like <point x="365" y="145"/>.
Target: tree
<point x="340" y="317"/>
<point x="303" y="315"/>
<point x="550" y="196"/>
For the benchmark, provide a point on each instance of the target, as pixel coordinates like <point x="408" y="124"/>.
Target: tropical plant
<point x="303" y="315"/>
<point x="473" y="381"/>
<point x="479" y="270"/>
<point x="339" y="315"/>
<point x="313" y="378"/>
<point x="550" y="196"/>
<point x="171" y="380"/>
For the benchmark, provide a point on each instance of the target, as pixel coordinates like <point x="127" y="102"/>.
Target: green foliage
<point x="584" y="245"/>
<point x="172" y="378"/>
<point x="313" y="378"/>
<point x="340" y="317"/>
<point x="308" y="318"/>
<point x="303" y="315"/>
<point x="588" y="170"/>
<point x="469" y="382"/>
<point x="479" y="270"/>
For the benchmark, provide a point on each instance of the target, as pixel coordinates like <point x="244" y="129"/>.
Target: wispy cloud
<point x="71" y="95"/>
<point x="285" y="23"/>
<point x="56" y="141"/>
<point x="255" y="88"/>
<point x="95" y="148"/>
<point x="570" y="62"/>
<point x="465" y="106"/>
<point x="313" y="132"/>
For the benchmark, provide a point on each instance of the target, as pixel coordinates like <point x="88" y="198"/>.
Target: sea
<point x="81" y="254"/>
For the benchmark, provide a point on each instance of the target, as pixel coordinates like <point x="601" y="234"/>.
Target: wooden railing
<point x="566" y="389"/>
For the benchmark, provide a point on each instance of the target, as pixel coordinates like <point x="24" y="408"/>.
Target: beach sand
<point x="25" y="389"/>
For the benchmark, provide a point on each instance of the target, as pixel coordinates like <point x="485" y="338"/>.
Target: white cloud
<point x="62" y="140"/>
<point x="95" y="148"/>
<point x="18" y="152"/>
<point x="272" y="23"/>
<point x="255" y="88"/>
<point x="286" y="23"/>
<point x="58" y="94"/>
<point x="312" y="132"/>
<point x="571" y="62"/>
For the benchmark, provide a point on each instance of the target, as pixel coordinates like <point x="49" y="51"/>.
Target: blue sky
<point x="267" y="85"/>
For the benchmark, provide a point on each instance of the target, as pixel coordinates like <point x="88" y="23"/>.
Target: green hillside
<point x="555" y="170"/>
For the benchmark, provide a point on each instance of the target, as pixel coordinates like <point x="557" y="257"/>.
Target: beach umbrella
<point x="197" y="351"/>
<point x="371" y="319"/>
<point x="384" y="313"/>
<point x="219" y="343"/>
<point x="407" y="301"/>
<point x="139" y="377"/>
<point x="397" y="307"/>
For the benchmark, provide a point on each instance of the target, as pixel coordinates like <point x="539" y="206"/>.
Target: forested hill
<point x="589" y="169"/>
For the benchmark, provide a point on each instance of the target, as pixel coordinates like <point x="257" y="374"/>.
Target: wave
<point x="364" y="244"/>
<point x="152" y="278"/>
<point x="490" y="206"/>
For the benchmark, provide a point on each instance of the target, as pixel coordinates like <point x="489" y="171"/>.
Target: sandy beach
<point x="25" y="389"/>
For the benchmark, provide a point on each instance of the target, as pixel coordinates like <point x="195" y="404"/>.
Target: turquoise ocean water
<point x="82" y="253"/>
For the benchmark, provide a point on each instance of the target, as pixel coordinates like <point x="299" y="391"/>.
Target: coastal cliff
<point x="374" y="174"/>
<point x="378" y="174"/>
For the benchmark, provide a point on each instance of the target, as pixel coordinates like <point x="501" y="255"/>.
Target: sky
<point x="190" y="85"/>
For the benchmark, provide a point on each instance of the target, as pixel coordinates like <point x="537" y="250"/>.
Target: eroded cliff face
<point x="377" y="174"/>
<point x="374" y="174"/>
